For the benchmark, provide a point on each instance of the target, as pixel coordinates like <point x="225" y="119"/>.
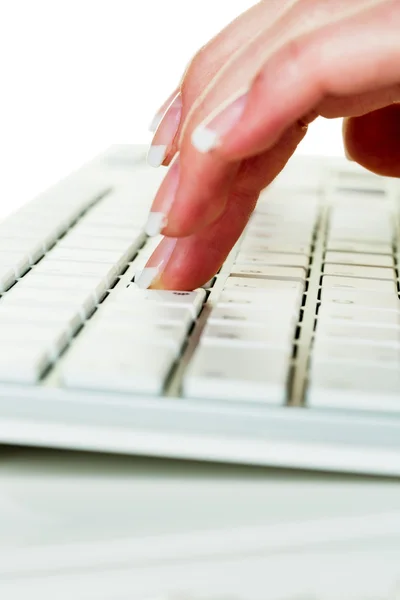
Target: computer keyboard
<point x="289" y="357"/>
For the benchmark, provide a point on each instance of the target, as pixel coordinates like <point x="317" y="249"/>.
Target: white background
<point x="80" y="75"/>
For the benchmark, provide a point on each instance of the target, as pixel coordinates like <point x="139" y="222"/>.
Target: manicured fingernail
<point x="165" y="133"/>
<point x="156" y="120"/>
<point x="156" y="264"/>
<point x="158" y="217"/>
<point x="208" y="134"/>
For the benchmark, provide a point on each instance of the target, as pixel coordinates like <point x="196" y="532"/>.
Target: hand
<point x="244" y="105"/>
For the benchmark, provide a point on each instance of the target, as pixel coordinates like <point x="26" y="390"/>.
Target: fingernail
<point x="208" y="134"/>
<point x="161" y="111"/>
<point x="156" y="264"/>
<point x="165" y="132"/>
<point x="158" y="216"/>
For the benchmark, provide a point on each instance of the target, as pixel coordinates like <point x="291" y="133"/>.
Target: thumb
<point x="373" y="140"/>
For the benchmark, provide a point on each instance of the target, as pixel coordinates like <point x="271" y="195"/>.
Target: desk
<point x="78" y="525"/>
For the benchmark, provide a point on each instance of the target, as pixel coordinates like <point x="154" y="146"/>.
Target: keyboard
<point x="288" y="357"/>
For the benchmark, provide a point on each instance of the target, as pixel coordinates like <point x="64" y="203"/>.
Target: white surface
<point x="81" y="75"/>
<point x="112" y="528"/>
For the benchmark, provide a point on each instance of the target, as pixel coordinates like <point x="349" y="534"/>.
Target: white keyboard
<point x="290" y="356"/>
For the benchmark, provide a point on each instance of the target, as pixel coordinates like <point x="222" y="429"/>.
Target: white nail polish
<point x="208" y="134"/>
<point x="144" y="279"/>
<point x="204" y="139"/>
<point x="156" y="221"/>
<point x="156" y="155"/>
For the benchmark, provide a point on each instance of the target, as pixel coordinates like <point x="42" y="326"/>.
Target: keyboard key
<point x="351" y="258"/>
<point x="17" y="261"/>
<point x="290" y="300"/>
<point x="363" y="248"/>
<point x="7" y="277"/>
<point x="359" y="272"/>
<point x="69" y="318"/>
<point x="82" y="300"/>
<point x="273" y="259"/>
<point x="359" y="332"/>
<point x="355" y="387"/>
<point x="263" y="336"/>
<point x="359" y="298"/>
<point x="140" y="369"/>
<point x="94" y="285"/>
<point x="280" y="246"/>
<point x="87" y="255"/>
<point x="193" y="301"/>
<point x="51" y="336"/>
<point x="343" y="313"/>
<point x="251" y="283"/>
<point x="358" y="284"/>
<point x="253" y="316"/>
<point x="337" y="351"/>
<point x="244" y="374"/>
<point x="23" y="363"/>
<point x="125" y="333"/>
<point x="269" y="272"/>
<point x="60" y="268"/>
<point x="146" y="312"/>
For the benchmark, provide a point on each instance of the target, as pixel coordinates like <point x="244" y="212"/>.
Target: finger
<point x="187" y="263"/>
<point x="360" y="56"/>
<point x="373" y="140"/>
<point x="199" y="190"/>
<point x="209" y="60"/>
<point x="161" y="111"/>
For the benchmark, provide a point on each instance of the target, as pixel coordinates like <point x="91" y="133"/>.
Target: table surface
<point x="55" y="506"/>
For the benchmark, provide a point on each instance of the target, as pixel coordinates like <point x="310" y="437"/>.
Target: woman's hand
<point x="243" y="106"/>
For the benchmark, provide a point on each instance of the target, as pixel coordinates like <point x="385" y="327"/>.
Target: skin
<point x="341" y="58"/>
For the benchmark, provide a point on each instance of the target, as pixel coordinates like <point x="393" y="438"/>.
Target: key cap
<point x="359" y="272"/>
<point x="237" y="374"/>
<point x="124" y="333"/>
<point x="233" y="335"/>
<point x="88" y="230"/>
<point x="7" y="277"/>
<point x="23" y="363"/>
<point x="59" y="268"/>
<point x="273" y="259"/>
<point x="343" y="246"/>
<point x="358" y="298"/>
<point x="152" y="313"/>
<point x="336" y="313"/>
<point x="66" y="317"/>
<point x="95" y="256"/>
<point x="253" y="317"/>
<point x="357" y="332"/>
<point x="348" y="258"/>
<point x="24" y="246"/>
<point x="280" y="246"/>
<point x="358" y="284"/>
<point x="291" y="300"/>
<point x="94" y="285"/>
<point x="49" y="335"/>
<point x="193" y="301"/>
<point x="250" y="283"/>
<point x="78" y="241"/>
<point x="284" y="273"/>
<point x="17" y="261"/>
<point x="355" y="387"/>
<point x="82" y="300"/>
<point x="337" y="351"/>
<point x="143" y="369"/>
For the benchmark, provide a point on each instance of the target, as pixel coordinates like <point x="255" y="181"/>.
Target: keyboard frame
<point x="172" y="426"/>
